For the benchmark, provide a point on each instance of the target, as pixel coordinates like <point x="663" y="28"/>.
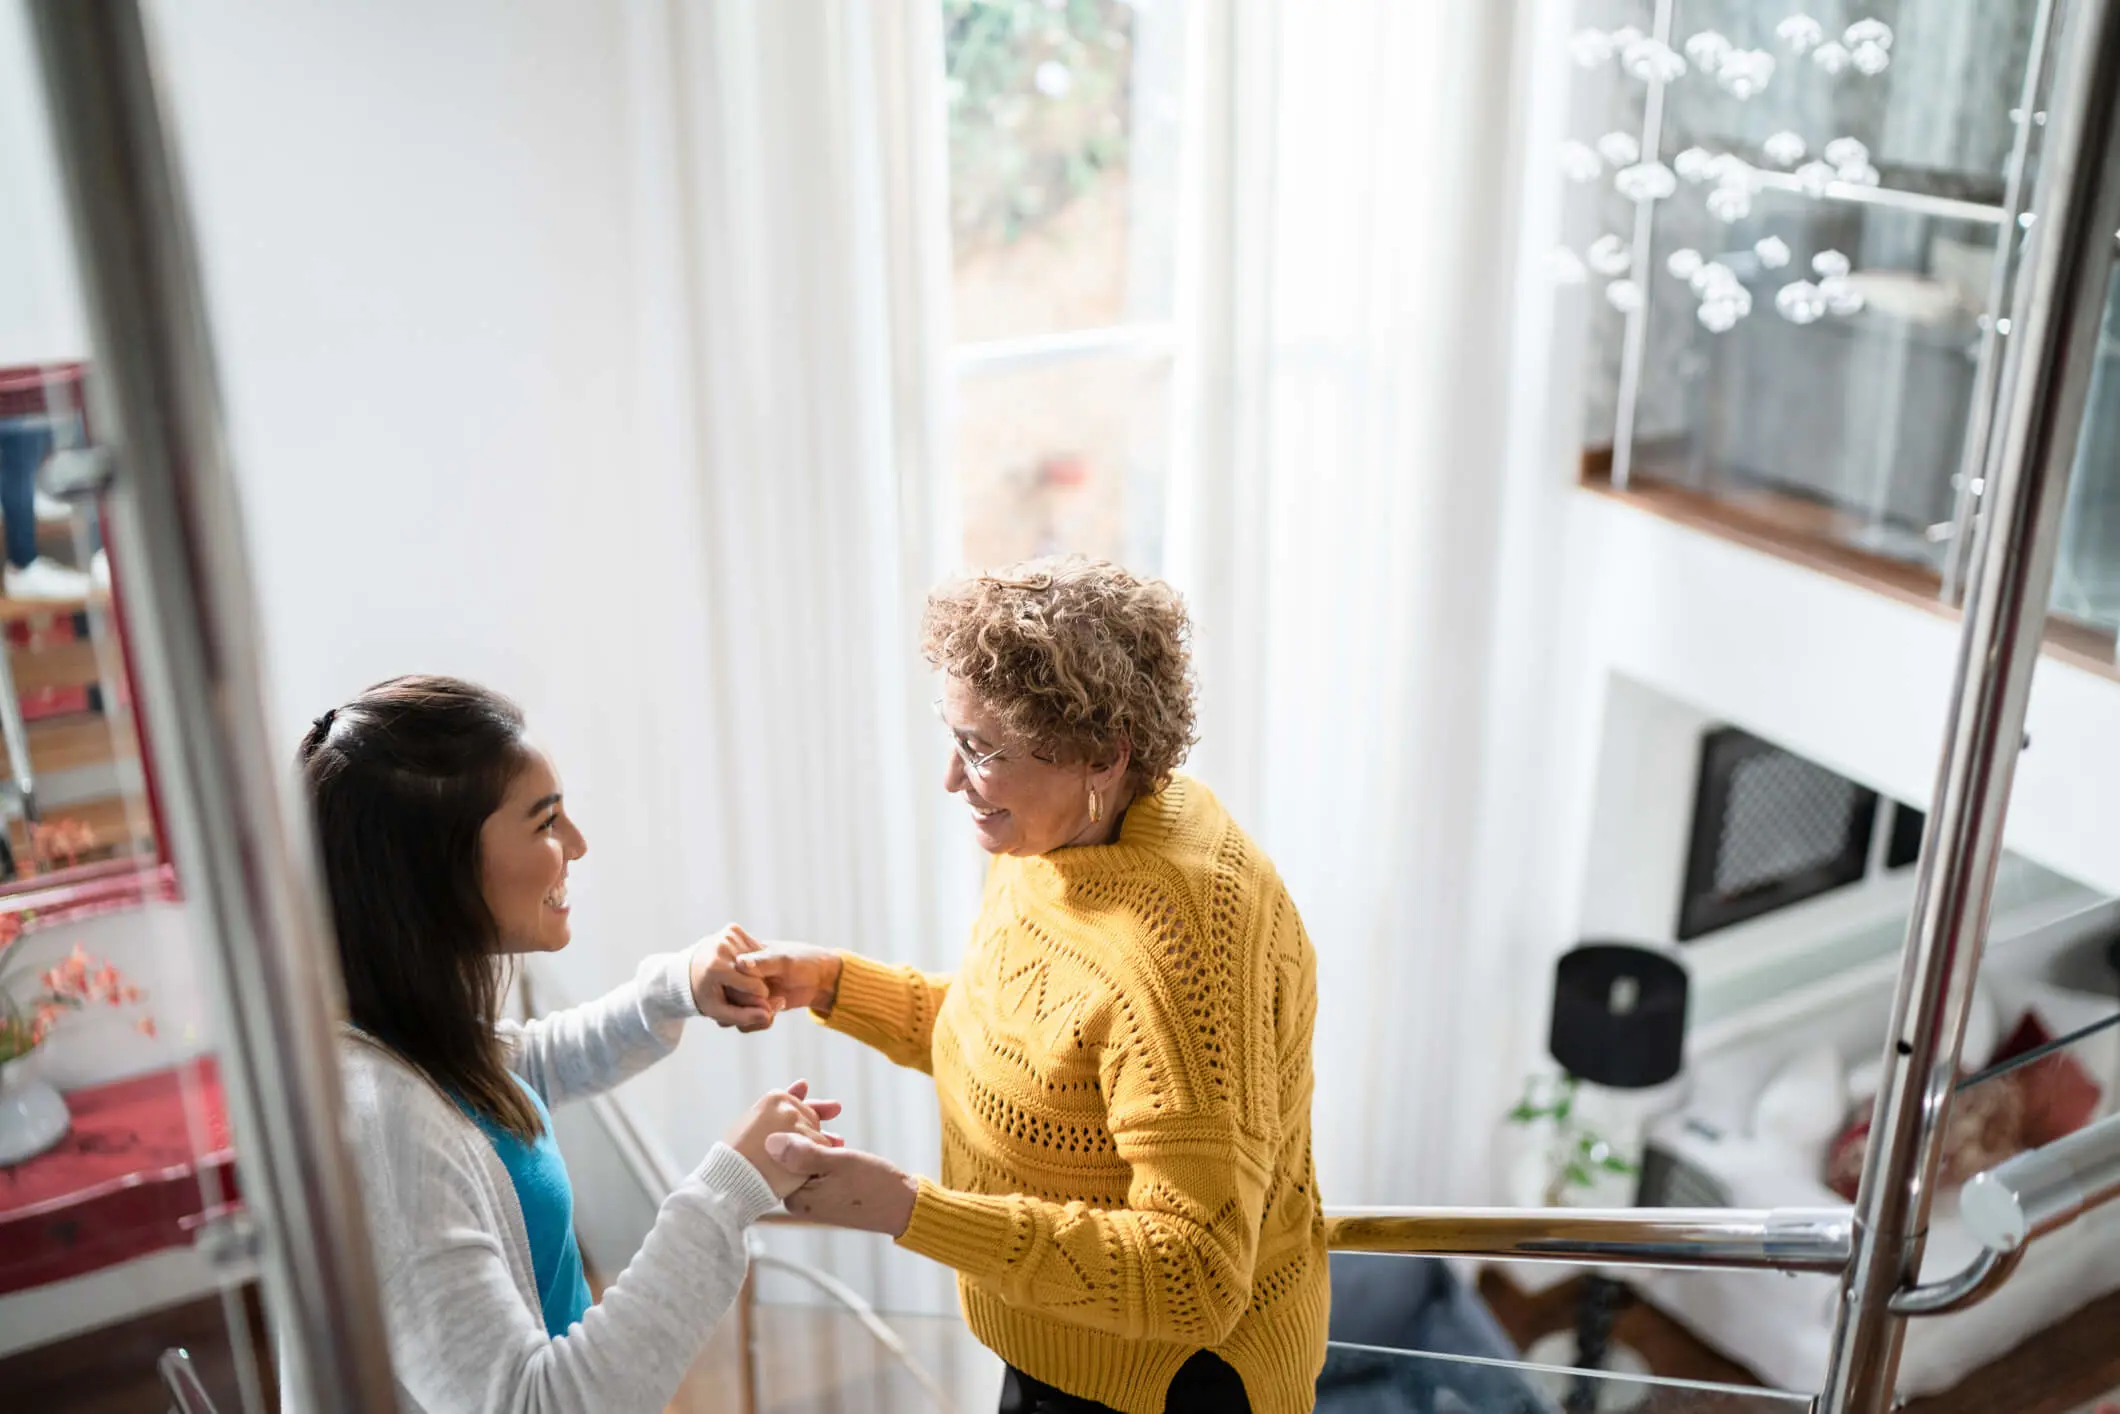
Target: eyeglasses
<point x="974" y="763"/>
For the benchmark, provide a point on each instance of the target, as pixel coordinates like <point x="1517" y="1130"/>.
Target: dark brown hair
<point x="400" y="780"/>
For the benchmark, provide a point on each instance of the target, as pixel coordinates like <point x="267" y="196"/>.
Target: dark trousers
<point x="1204" y="1384"/>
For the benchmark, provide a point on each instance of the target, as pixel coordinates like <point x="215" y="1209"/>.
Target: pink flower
<point x="145" y="1026"/>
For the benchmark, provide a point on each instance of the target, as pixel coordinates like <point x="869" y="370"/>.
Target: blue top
<point x="546" y="1195"/>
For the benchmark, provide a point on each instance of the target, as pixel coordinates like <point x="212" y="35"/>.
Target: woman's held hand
<point x="724" y="995"/>
<point x="844" y="1187"/>
<point x="793" y="974"/>
<point x="789" y="1112"/>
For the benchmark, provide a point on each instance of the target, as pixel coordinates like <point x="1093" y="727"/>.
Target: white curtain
<point x="1336" y="520"/>
<point x="791" y="268"/>
<point x="1338" y="528"/>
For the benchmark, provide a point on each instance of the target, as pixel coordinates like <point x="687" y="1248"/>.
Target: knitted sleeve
<point x="889" y="1007"/>
<point x="1189" y="1083"/>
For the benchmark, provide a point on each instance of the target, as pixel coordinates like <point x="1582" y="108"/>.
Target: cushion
<point x="1805" y="1104"/>
<point x="2023" y="1109"/>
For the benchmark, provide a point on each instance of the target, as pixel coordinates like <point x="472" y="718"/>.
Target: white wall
<point x="41" y="315"/>
<point x="1850" y="678"/>
<point x="454" y="262"/>
<point x="416" y="227"/>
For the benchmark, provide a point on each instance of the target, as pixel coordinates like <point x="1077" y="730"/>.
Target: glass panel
<point x="1927" y="87"/>
<point x="814" y="1356"/>
<point x="2087" y="573"/>
<point x="1808" y="307"/>
<point x="1361" y="1379"/>
<point x="1064" y="121"/>
<point x="121" y="1226"/>
<point x="1819" y="361"/>
<point x="2048" y="1064"/>
<point x="79" y="808"/>
<point x="2041" y="1059"/>
<point x="1071" y="457"/>
<point x="76" y="810"/>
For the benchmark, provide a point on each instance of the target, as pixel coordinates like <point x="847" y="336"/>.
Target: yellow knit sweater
<point x="1123" y="1063"/>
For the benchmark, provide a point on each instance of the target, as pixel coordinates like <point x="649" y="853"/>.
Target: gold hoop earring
<point x="1096" y="806"/>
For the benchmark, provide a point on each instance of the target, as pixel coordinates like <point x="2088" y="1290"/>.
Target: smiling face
<point x="1023" y="804"/>
<point x="524" y="849"/>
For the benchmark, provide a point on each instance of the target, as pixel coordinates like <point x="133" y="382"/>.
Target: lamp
<point x="1619" y="1023"/>
<point x="1619" y="1016"/>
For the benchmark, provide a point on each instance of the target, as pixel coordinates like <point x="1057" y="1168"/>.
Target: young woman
<point x="446" y="843"/>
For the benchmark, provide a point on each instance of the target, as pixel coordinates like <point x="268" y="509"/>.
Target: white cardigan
<point x="460" y="1301"/>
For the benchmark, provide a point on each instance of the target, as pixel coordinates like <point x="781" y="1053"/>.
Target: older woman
<point x="1123" y="1056"/>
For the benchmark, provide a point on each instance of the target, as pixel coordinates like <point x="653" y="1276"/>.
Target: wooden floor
<point x="811" y="1361"/>
<point x="112" y="1371"/>
<point x="820" y="1361"/>
<point x="2059" y="1371"/>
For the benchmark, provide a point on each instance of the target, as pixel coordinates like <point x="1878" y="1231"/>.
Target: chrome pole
<point x="2058" y="306"/>
<point x="1783" y="1239"/>
<point x="245" y="861"/>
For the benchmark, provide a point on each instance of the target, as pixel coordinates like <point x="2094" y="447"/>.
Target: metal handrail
<point x="1788" y="1240"/>
<point x="182" y="1382"/>
<point x="2052" y="1185"/>
<point x="2045" y="381"/>
<point x="2025" y="1197"/>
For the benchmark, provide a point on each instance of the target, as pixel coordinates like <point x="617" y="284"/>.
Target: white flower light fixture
<point x="1784" y="149"/>
<point x="1620" y="149"/>
<point x="1580" y="162"/>
<point x="1609" y="255"/>
<point x="1645" y="181"/>
<point x="1800" y="32"/>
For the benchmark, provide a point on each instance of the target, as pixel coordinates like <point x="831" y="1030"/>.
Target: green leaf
<point x="1579" y="1176"/>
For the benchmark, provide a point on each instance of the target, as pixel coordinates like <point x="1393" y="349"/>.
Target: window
<point x="1064" y="124"/>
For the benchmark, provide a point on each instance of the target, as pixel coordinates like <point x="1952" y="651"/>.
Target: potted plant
<point x="33" y="1117"/>
<point x="1576" y="1154"/>
<point x="1577" y="1159"/>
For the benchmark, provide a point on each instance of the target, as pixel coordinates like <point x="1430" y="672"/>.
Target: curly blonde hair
<point x="1077" y="656"/>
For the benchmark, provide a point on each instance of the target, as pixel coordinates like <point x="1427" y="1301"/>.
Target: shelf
<point x="12" y="609"/>
<point x="59" y="665"/>
<point x="68" y="743"/>
<point x="112" y="818"/>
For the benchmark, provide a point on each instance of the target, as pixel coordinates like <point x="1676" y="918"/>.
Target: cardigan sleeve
<point x="588" y="1049"/>
<point x="463" y="1323"/>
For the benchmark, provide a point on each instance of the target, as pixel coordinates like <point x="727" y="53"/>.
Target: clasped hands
<point x="742" y="983"/>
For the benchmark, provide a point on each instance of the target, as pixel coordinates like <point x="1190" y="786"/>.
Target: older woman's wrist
<point x="828" y="987"/>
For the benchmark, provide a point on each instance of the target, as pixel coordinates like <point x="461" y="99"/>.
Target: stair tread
<point x="55" y="665"/>
<point x="32" y="608"/>
<point x="67" y="743"/>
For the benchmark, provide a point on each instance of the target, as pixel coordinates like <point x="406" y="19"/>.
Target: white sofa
<point x="1759" y="1117"/>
